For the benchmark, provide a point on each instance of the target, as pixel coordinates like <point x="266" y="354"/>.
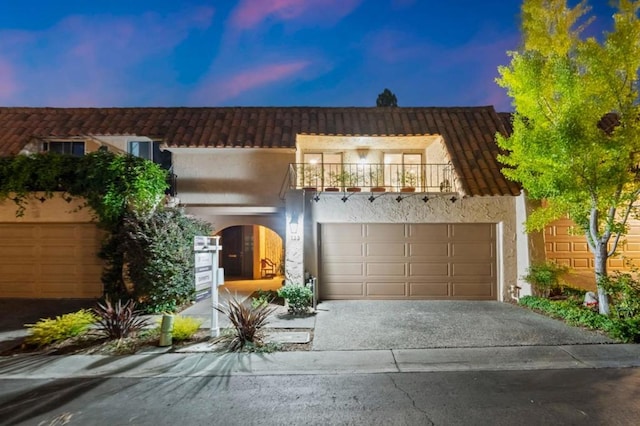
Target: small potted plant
<point x="310" y="177"/>
<point x="408" y="180"/>
<point x="351" y="182"/>
<point x="333" y="182"/>
<point x="374" y="181"/>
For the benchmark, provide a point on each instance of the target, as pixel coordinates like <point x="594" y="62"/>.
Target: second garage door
<point x="408" y="261"/>
<point x="50" y="260"/>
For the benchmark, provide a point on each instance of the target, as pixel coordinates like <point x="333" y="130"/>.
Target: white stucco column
<point x="530" y="246"/>
<point x="294" y="244"/>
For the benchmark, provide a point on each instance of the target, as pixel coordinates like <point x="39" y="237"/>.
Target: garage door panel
<point x="21" y="232"/>
<point x="472" y="232"/>
<point x="345" y="249"/>
<point x="475" y="290"/>
<point x="343" y="232"/>
<point x="12" y="252"/>
<point x="57" y="269"/>
<point x="411" y="261"/>
<point x="384" y="232"/>
<point x="578" y="263"/>
<point x="474" y="250"/>
<point x="386" y="269"/>
<point x="462" y="269"/>
<point x="616" y="263"/>
<point x="344" y="268"/>
<point x="58" y="251"/>
<point x="50" y="260"/>
<point x="17" y="288"/>
<point x="341" y="289"/>
<point x="387" y="289"/>
<point x="429" y="249"/>
<point x="431" y="269"/>
<point x="581" y="247"/>
<point x="429" y="290"/>
<point x="386" y="249"/>
<point x="562" y="247"/>
<point x="428" y="231"/>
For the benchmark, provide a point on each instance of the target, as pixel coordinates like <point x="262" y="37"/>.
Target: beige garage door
<point x="566" y="247"/>
<point x="50" y="261"/>
<point x="408" y="261"/>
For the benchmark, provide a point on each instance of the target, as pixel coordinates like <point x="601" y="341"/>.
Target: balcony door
<point x="403" y="170"/>
<point x="320" y="169"/>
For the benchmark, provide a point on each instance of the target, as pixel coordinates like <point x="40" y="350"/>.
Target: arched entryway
<point x="252" y="257"/>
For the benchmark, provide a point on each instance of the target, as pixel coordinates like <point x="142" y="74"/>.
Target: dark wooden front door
<point x="237" y="251"/>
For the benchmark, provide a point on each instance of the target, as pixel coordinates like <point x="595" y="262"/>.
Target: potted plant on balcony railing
<point x="374" y="181"/>
<point x="333" y="182"/>
<point x="351" y="182"/>
<point x="408" y="180"/>
<point x="310" y="177"/>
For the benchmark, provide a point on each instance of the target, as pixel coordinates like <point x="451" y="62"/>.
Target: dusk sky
<point x="258" y="52"/>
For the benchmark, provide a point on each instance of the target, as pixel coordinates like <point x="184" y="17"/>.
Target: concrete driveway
<point x="359" y="325"/>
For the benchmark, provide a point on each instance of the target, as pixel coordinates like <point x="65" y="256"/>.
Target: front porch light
<point x="293" y="224"/>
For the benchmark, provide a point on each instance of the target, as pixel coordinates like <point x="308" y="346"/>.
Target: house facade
<point x="377" y="203"/>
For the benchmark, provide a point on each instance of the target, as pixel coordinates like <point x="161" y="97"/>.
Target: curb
<point x="320" y="362"/>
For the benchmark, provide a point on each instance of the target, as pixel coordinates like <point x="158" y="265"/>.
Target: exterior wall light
<point x="293" y="225"/>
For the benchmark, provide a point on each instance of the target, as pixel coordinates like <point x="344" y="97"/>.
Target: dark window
<point x="65" y="147"/>
<point x="151" y="151"/>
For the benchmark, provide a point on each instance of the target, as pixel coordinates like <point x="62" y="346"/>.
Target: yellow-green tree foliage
<point x="576" y="137"/>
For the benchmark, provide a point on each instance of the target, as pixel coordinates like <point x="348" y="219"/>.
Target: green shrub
<point x="623" y="329"/>
<point x="247" y="323"/>
<point x="151" y="260"/>
<point x="545" y="277"/>
<point x="263" y="297"/>
<point x="184" y="328"/>
<point x="49" y="330"/>
<point x="118" y="321"/>
<point x="298" y="297"/>
<point x="624" y="291"/>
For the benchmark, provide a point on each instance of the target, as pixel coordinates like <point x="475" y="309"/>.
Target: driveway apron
<point x="419" y="324"/>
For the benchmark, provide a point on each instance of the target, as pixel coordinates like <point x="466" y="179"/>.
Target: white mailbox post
<point x="208" y="275"/>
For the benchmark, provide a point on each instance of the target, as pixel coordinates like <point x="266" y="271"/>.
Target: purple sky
<point x="257" y="52"/>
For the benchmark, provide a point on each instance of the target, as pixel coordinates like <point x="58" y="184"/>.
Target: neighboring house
<point x="257" y="173"/>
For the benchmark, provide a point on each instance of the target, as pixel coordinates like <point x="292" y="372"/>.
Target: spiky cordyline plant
<point x="247" y="321"/>
<point x="118" y="321"/>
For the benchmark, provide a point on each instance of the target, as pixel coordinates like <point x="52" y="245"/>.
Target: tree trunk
<point x="600" y="255"/>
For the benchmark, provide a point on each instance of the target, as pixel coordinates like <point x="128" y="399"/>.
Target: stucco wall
<point x="231" y="176"/>
<point x="439" y="209"/>
<point x="53" y="210"/>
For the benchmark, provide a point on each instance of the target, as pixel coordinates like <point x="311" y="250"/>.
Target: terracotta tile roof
<point x="468" y="131"/>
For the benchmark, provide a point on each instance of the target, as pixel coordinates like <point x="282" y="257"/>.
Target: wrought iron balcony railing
<point x="373" y="177"/>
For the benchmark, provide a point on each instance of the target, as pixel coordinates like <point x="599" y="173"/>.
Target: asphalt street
<point x="542" y="397"/>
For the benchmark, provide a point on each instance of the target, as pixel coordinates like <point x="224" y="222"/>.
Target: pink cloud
<point x="242" y="82"/>
<point x="93" y="60"/>
<point x="8" y="82"/>
<point x="252" y="12"/>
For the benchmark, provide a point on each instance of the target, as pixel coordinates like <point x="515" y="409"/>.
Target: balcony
<point x="355" y="177"/>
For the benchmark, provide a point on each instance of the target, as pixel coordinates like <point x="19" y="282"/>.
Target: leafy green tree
<point x="576" y="129"/>
<point x="387" y="99"/>
<point x="150" y="259"/>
